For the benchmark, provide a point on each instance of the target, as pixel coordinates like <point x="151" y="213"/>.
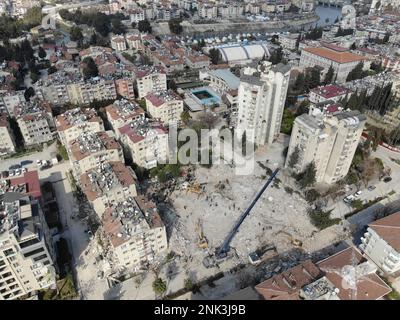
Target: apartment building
<point x="341" y="61"/>
<point x="12" y="99"/>
<point x="331" y="92"/>
<point x="125" y="87"/>
<point x="26" y="252"/>
<point x="289" y="41"/>
<point x="149" y="79"/>
<point x="345" y="275"/>
<point x="85" y="92"/>
<point x="261" y="99"/>
<point x="122" y="112"/>
<point x="133" y="40"/>
<point x="208" y="11"/>
<point x="166" y="106"/>
<point x="35" y="120"/>
<point x="135" y="232"/>
<point x="73" y="122"/>
<point x="7" y="143"/>
<point x="118" y="43"/>
<point x="145" y="142"/>
<point x="329" y="138"/>
<point x="92" y="148"/>
<point x="108" y="183"/>
<point x="381" y="243"/>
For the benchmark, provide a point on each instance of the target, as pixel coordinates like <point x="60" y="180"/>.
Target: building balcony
<point x="393" y="257"/>
<point x="388" y="263"/>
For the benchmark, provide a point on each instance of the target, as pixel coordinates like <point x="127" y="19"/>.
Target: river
<point x="330" y="13"/>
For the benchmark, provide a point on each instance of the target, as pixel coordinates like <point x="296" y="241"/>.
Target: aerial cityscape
<point x="200" y="150"/>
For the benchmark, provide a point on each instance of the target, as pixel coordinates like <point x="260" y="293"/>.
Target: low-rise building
<point x="381" y="243"/>
<point x="7" y="143"/>
<point x="92" y="148"/>
<point x="341" y="61"/>
<point x="149" y="79"/>
<point x="107" y="184"/>
<point x="35" y="121"/>
<point x="166" y="106"/>
<point x="146" y="142"/>
<point x="118" y="43"/>
<point x="135" y="231"/>
<point x="73" y="122"/>
<point x="330" y="92"/>
<point x="122" y="112"/>
<point x="289" y="41"/>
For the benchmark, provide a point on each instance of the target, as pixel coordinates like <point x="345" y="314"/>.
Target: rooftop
<point x="339" y="57"/>
<point x="388" y="229"/>
<point x="91" y="142"/>
<point x="76" y="117"/>
<point x="124" y="109"/>
<point x="286" y="285"/>
<point x="160" y="97"/>
<point x="106" y="177"/>
<point x="330" y="91"/>
<point x="353" y="276"/>
<point x="31" y="108"/>
<point x="226" y="75"/>
<point x="138" y="130"/>
<point x="131" y="217"/>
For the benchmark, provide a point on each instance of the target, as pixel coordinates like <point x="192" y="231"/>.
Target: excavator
<point x="203" y="243"/>
<point x="222" y="252"/>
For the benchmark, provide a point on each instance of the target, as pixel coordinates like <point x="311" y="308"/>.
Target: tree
<point x="189" y="284"/>
<point x="353" y="46"/>
<point x="329" y="75"/>
<point x="90" y="69"/>
<point x="185" y="116"/>
<point x="276" y="56"/>
<point x="294" y="157"/>
<point x="312" y="78"/>
<point x="308" y="176"/>
<point x="117" y="27"/>
<point x="30" y="92"/>
<point x="175" y="26"/>
<point x="215" y="56"/>
<point x="42" y="53"/>
<point x="159" y="286"/>
<point x="144" y="26"/>
<point x="76" y="33"/>
<point x="299" y="85"/>
<point x="356" y="73"/>
<point x="133" y="24"/>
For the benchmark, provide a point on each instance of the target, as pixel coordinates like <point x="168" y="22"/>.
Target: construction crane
<point x="223" y="250"/>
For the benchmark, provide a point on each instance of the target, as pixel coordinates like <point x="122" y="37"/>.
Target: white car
<point x="358" y="193"/>
<point x="348" y="199"/>
<point x="11" y="173"/>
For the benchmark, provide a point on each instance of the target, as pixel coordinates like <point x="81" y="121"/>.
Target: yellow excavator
<point x="203" y="243"/>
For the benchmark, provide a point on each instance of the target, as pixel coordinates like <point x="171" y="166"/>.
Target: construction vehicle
<point x="203" y="243"/>
<point x="223" y="251"/>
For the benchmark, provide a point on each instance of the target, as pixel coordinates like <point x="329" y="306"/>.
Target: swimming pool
<point x="206" y="96"/>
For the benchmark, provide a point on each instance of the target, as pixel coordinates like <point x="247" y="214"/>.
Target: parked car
<point x="11" y="173"/>
<point x="349" y="199"/>
<point x="370" y="188"/>
<point x="100" y="274"/>
<point x="387" y="179"/>
<point x="26" y="162"/>
<point x="358" y="193"/>
<point x="14" y="167"/>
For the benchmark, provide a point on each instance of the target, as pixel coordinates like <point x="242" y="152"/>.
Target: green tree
<point x="189" y="284"/>
<point x="185" y="116"/>
<point x="144" y="26"/>
<point x="356" y="73"/>
<point x="42" y="53"/>
<point x="159" y="286"/>
<point x="30" y="92"/>
<point x="90" y="69"/>
<point x="294" y="157"/>
<point x="117" y="27"/>
<point x="215" y="56"/>
<point x="308" y="176"/>
<point x="175" y="26"/>
<point x="76" y="33"/>
<point x="276" y="56"/>
<point x="329" y="75"/>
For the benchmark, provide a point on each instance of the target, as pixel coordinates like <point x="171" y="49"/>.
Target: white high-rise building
<point x="261" y="99"/>
<point x="330" y="139"/>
